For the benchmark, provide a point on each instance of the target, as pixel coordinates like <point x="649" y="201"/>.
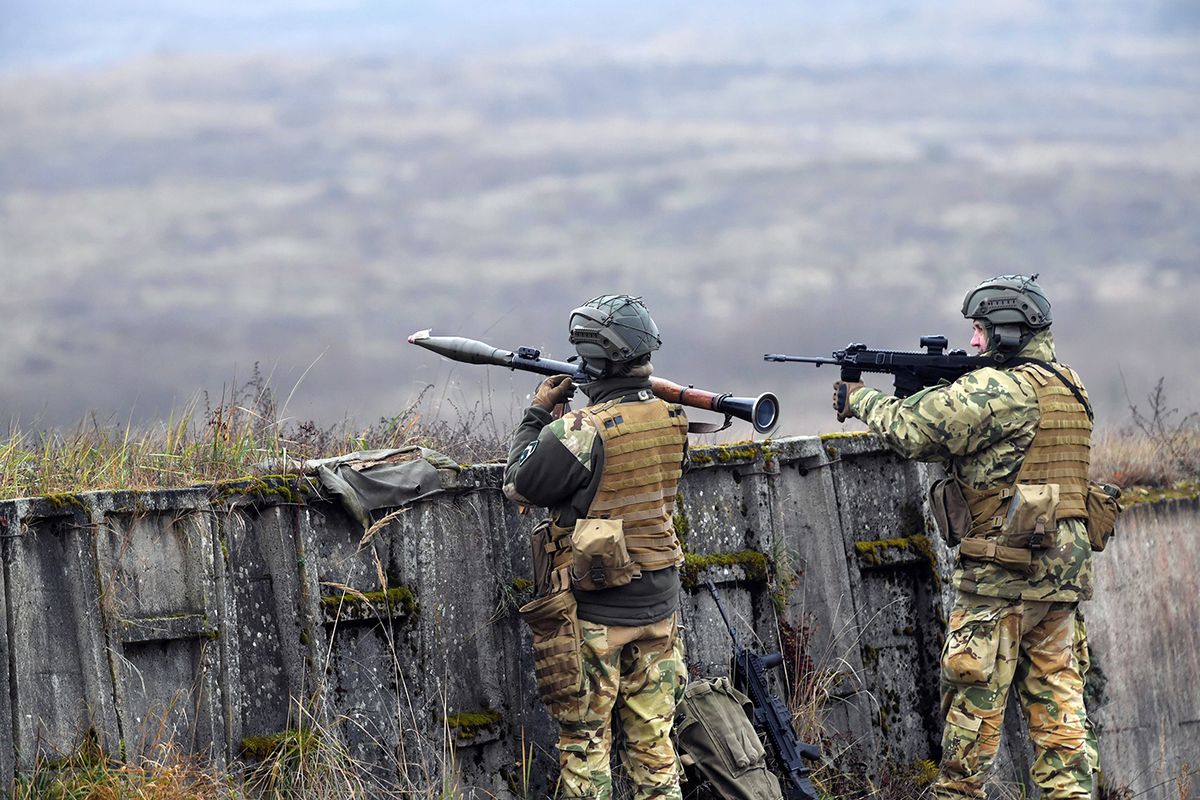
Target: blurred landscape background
<point x="189" y="189"/>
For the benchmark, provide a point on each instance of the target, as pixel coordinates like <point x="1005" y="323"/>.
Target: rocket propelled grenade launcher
<point x="762" y="412"/>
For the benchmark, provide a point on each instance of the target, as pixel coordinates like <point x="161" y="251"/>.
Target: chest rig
<point x="643" y="461"/>
<point x="1059" y="455"/>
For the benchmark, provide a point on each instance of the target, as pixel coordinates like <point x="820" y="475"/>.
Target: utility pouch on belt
<point x="1102" y="511"/>
<point x="543" y="558"/>
<point x="556" y="659"/>
<point x="715" y="736"/>
<point x="1032" y="516"/>
<point x="950" y="510"/>
<point x="599" y="558"/>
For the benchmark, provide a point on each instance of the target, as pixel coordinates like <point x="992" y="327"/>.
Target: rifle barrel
<point x="802" y="359"/>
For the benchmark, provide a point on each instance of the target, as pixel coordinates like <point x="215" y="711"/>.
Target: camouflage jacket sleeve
<point x="551" y="461"/>
<point x="951" y="421"/>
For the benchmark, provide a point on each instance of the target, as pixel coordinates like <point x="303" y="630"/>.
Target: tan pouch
<point x="599" y="558"/>
<point x="1032" y="516"/>
<point x="556" y="657"/>
<point x="1102" y="512"/>
<point x="950" y="510"/>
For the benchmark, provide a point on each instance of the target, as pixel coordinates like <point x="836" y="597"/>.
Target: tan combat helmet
<point x="613" y="329"/>
<point x="1012" y="309"/>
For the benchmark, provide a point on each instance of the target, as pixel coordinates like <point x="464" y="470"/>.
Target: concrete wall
<point x="216" y="616"/>
<point x="1144" y="626"/>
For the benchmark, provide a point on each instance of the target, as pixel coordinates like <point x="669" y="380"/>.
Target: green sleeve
<point x="550" y="462"/>
<point x="947" y="421"/>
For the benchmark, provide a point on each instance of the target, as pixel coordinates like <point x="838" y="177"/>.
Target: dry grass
<point x="1129" y="458"/>
<point x="90" y="774"/>
<point x="1158" y="449"/>
<point x="225" y="440"/>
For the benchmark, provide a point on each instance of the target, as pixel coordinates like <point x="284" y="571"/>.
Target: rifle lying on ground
<point x="913" y="371"/>
<point x="770" y="714"/>
<point x="762" y="412"/>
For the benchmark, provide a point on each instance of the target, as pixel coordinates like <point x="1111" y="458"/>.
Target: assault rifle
<point x="762" y="412"/>
<point x="770" y="714"/>
<point x="912" y="371"/>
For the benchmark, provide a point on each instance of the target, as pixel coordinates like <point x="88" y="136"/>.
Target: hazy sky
<point x="188" y="188"/>
<point x="81" y="32"/>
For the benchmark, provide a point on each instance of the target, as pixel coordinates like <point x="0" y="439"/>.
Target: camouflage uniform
<point x="1007" y="628"/>
<point x="631" y="653"/>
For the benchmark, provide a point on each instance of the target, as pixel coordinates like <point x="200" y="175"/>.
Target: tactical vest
<point x="1059" y="454"/>
<point x="643" y="462"/>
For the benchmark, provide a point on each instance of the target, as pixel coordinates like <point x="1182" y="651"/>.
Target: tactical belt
<point x="988" y="550"/>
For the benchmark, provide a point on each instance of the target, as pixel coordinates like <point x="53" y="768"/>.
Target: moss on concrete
<point x="399" y="599"/>
<point x="872" y="553"/>
<point x="260" y="748"/>
<point x="468" y="724"/>
<point x="62" y="501"/>
<point x="294" y="489"/>
<point x="753" y="563"/>
<point x="1138" y="495"/>
<point x="729" y="453"/>
<point x="826" y="437"/>
<point x="680" y="521"/>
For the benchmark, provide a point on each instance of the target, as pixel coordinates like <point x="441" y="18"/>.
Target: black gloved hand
<point x="841" y="398"/>
<point x="553" y="391"/>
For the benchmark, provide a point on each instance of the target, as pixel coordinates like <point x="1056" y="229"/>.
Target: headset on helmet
<point x="613" y="328"/>
<point x="1012" y="309"/>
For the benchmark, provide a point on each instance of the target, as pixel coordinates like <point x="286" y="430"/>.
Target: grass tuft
<point x="207" y="442"/>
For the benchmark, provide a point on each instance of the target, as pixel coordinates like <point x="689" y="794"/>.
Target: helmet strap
<point x="1007" y="340"/>
<point x="603" y="365"/>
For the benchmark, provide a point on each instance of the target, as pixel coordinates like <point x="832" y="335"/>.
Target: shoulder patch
<point x="528" y="451"/>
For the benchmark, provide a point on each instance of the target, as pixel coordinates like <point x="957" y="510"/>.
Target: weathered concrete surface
<point x="1144" y="626"/>
<point x="213" y="617"/>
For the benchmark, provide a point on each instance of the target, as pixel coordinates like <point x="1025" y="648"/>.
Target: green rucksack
<point x="714" y="736"/>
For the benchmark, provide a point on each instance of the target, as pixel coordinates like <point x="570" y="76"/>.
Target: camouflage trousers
<point x="1083" y="655"/>
<point x="992" y="644"/>
<point x="638" y="674"/>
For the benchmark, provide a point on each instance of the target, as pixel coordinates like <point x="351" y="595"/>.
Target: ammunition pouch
<point x="1102" y="512"/>
<point x="556" y="653"/>
<point x="1032" y="521"/>
<point x="950" y="510"/>
<point x="599" y="557"/>
<point x="541" y="547"/>
<point x="714" y="735"/>
<point x="1011" y="539"/>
